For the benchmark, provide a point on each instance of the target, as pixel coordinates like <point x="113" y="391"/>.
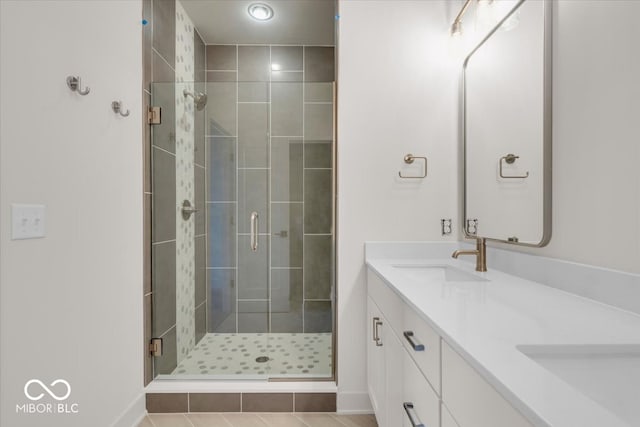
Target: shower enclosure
<point x="243" y="216"/>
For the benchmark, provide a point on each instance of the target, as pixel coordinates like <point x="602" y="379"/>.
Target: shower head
<point x="199" y="99"/>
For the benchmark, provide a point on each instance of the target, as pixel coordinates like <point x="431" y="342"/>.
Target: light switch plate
<point x="27" y="221"/>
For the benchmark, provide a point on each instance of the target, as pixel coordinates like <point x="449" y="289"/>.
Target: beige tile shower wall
<point x="200" y="191"/>
<point x="185" y="184"/>
<point x="159" y="67"/>
<point x="270" y="128"/>
<point x="160" y="296"/>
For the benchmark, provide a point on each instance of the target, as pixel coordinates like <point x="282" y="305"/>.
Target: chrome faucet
<point x="480" y="253"/>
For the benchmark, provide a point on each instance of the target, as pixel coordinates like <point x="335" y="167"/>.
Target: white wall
<point x="71" y="303"/>
<point x="397" y="94"/>
<point x="596" y="135"/>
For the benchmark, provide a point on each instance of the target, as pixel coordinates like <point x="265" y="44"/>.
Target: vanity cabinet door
<point x="376" y="371"/>
<point x="385" y="369"/>
<point x="396" y="358"/>
<point x="420" y="405"/>
<point x="472" y="401"/>
<point x="447" y="419"/>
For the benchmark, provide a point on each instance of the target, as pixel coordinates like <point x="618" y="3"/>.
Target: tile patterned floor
<point x="258" y="420"/>
<point x="288" y="355"/>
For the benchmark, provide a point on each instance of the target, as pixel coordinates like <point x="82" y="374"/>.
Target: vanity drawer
<point x="423" y="344"/>
<point x="447" y="418"/>
<point x="418" y="399"/>
<point x="471" y="400"/>
<point x="389" y="303"/>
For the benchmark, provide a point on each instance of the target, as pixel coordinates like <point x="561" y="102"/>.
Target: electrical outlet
<point x="27" y="221"/>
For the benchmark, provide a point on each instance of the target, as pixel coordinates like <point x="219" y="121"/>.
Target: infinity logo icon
<point x="51" y="393"/>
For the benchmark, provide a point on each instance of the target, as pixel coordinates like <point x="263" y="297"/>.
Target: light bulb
<point x="260" y="11"/>
<point x="485" y="19"/>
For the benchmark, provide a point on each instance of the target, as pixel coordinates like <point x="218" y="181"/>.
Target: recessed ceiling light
<point x="260" y="11"/>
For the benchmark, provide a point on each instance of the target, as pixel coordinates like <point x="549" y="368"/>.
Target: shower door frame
<point x="149" y="315"/>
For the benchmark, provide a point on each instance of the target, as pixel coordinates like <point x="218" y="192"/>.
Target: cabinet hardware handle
<point x="411" y="413"/>
<point x="376" y="334"/>
<point x="254" y="231"/>
<point x="416" y="345"/>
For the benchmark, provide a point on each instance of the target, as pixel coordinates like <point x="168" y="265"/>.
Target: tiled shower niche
<point x="269" y="148"/>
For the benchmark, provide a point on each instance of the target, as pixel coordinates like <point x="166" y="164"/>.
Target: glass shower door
<point x="178" y="250"/>
<point x="244" y="288"/>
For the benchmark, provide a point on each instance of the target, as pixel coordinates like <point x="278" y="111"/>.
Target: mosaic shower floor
<point x="259" y="356"/>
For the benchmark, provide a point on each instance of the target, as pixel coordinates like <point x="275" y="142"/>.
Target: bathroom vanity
<point x="451" y="347"/>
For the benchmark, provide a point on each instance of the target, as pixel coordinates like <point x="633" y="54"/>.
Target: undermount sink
<point x="439" y="273"/>
<point x="607" y="374"/>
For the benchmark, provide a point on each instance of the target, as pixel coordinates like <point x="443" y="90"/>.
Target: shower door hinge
<point x="154" y="115"/>
<point x="155" y="347"/>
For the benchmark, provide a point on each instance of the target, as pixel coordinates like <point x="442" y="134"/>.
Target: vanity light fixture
<point x="456" y="27"/>
<point x="489" y="13"/>
<point x="485" y="16"/>
<point x="260" y="11"/>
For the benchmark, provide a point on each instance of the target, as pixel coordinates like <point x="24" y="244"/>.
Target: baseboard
<point x="132" y="416"/>
<point x="354" y="403"/>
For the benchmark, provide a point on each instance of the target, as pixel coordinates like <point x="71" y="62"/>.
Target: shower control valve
<point x="188" y="210"/>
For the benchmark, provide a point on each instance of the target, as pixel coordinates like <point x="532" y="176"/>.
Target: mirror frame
<point x="547" y="127"/>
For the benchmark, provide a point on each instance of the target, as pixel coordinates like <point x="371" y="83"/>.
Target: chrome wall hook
<point x="74" y="83"/>
<point x="116" y="106"/>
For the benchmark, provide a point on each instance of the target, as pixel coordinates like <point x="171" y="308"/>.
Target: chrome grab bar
<point x="413" y="418"/>
<point x="254" y="231"/>
<point x="415" y="345"/>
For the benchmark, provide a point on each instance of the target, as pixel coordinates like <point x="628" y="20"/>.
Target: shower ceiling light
<point x="260" y="11"/>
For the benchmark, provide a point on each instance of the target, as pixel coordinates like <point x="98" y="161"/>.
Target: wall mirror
<point x="507" y="129"/>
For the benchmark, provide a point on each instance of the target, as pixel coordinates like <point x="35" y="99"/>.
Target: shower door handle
<point x="254" y="231"/>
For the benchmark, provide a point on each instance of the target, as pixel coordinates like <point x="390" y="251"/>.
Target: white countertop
<point x="486" y="321"/>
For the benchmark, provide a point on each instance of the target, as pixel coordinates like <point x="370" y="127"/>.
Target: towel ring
<point x="510" y="159"/>
<point x="409" y="159"/>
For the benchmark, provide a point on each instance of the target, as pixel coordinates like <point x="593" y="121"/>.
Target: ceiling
<point x="300" y="22"/>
